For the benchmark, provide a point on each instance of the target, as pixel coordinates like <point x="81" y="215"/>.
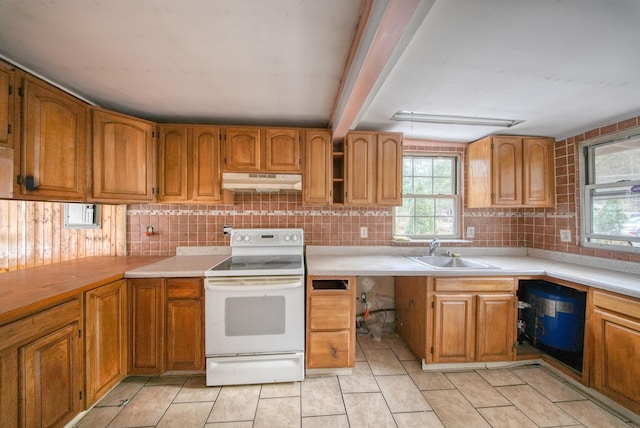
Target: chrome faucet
<point x="433" y="246"/>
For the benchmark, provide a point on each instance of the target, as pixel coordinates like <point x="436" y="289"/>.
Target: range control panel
<point x="267" y="237"/>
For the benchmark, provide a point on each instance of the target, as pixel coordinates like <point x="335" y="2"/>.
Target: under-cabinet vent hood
<point x="261" y="182"/>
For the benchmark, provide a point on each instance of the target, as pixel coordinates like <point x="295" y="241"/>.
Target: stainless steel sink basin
<point x="441" y="262"/>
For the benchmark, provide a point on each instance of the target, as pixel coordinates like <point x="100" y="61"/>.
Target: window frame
<point x="587" y="186"/>
<point x="456" y="196"/>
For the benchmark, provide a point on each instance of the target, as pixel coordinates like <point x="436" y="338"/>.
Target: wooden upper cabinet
<point x="123" y="152"/>
<point x="360" y="151"/>
<point x="189" y="163"/>
<point x="7" y="73"/>
<point x="173" y="163"/>
<point x="538" y="174"/>
<point x="317" y="180"/>
<point x="242" y="149"/>
<point x="206" y="172"/>
<point x="282" y="150"/>
<point x="511" y="171"/>
<point x="389" y="171"/>
<point x="249" y="149"/>
<point x="507" y="171"/>
<point x="373" y="169"/>
<point x="53" y="150"/>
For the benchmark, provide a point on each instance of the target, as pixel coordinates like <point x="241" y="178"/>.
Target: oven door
<point x="249" y="315"/>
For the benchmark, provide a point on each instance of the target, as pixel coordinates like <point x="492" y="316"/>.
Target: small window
<point x="612" y="194"/>
<point x="430" y="201"/>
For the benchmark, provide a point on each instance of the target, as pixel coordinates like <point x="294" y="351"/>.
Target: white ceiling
<point x="562" y="66"/>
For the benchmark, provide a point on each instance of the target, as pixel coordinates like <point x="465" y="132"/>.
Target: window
<point x="612" y="194"/>
<point x="430" y="201"/>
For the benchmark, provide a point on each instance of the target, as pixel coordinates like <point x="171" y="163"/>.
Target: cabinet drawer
<point x="330" y="312"/>
<point x="474" y="284"/>
<point x="40" y="323"/>
<point x="184" y="288"/>
<point x="624" y="305"/>
<point x="328" y="349"/>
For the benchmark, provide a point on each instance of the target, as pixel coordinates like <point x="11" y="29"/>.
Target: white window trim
<point x="585" y="217"/>
<point x="457" y="236"/>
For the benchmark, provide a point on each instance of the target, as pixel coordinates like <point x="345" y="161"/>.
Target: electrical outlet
<point x="471" y="232"/>
<point x="565" y="235"/>
<point x="363" y="297"/>
<point x="364" y="232"/>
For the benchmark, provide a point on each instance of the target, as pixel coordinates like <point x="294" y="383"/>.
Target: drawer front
<point x="624" y="305"/>
<point x="328" y="349"/>
<point x="39" y="324"/>
<point x="475" y="284"/>
<point x="184" y="288"/>
<point x="330" y="312"/>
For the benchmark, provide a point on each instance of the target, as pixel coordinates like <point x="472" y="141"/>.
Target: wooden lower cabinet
<point x="105" y="338"/>
<point x="471" y="319"/>
<point x="615" y="331"/>
<point x="331" y="335"/>
<point x="146" y="326"/>
<point x="410" y="307"/>
<point x="185" y="324"/>
<point x="41" y="368"/>
<point x="166" y="325"/>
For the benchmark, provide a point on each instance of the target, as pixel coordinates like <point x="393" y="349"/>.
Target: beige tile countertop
<point x="612" y="275"/>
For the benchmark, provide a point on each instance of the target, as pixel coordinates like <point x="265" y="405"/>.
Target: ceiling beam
<point x="357" y="83"/>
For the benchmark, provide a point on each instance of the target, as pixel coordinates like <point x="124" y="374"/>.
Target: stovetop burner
<point x="259" y="263"/>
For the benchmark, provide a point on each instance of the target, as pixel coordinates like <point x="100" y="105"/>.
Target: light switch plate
<point x="565" y="235"/>
<point x="364" y="232"/>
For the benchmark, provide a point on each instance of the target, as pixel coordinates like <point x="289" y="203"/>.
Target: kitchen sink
<point x="442" y="262"/>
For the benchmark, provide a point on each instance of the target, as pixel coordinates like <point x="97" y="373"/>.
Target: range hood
<point x="261" y="182"/>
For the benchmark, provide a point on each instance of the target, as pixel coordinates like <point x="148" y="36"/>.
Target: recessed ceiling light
<point x="411" y="116"/>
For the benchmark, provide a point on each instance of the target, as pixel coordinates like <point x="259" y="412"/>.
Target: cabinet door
<point x="242" y="149"/>
<point x="318" y="164"/>
<point x="389" y="169"/>
<point x="507" y="171"/>
<point x="538" y="172"/>
<point x="106" y="338"/>
<point x="9" y="387"/>
<point x="172" y="163"/>
<point x="123" y="151"/>
<point x="146" y="326"/>
<point x="454" y="328"/>
<point x="53" y="162"/>
<point x="360" y="165"/>
<point x="410" y="306"/>
<point x="616" y="344"/>
<point x="282" y="150"/>
<point x="6" y="104"/>
<point x="206" y="175"/>
<point x="185" y="324"/>
<point x="495" y="327"/>
<point x="52" y="378"/>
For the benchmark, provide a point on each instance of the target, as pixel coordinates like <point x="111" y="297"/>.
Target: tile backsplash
<point x="187" y="225"/>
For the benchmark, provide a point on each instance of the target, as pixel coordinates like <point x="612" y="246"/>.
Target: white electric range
<point x="254" y="309"/>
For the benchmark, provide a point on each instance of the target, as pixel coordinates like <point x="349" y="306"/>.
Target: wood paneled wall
<point x="33" y="234"/>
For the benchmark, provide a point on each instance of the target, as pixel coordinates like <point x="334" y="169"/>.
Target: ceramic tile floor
<point x="387" y="389"/>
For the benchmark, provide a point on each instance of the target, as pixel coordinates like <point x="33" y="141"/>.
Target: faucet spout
<point x="433" y="246"/>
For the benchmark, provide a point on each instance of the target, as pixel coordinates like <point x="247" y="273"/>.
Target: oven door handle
<point x="254" y="287"/>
